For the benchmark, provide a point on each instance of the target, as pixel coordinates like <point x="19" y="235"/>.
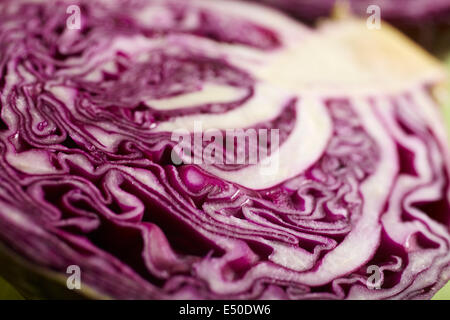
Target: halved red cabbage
<point x="87" y="176"/>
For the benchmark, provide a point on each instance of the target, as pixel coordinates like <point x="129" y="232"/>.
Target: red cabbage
<point x="88" y="175"/>
<point x="397" y="11"/>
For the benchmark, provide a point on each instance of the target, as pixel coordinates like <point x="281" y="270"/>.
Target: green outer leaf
<point x="7" y="292"/>
<point x="38" y="283"/>
<point x="443" y="294"/>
